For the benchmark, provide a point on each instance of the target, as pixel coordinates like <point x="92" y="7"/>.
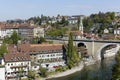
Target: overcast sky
<point x="23" y="9"/>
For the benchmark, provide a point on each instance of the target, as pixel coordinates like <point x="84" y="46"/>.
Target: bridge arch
<point x="81" y="44"/>
<point x="99" y="53"/>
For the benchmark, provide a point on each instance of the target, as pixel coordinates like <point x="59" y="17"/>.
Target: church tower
<point x="81" y="25"/>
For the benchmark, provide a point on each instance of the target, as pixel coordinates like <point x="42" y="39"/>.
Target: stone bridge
<point x="94" y="47"/>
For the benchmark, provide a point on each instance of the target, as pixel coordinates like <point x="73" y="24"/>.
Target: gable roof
<point x="16" y="57"/>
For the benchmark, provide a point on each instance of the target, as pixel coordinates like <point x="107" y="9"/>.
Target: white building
<point x="38" y="32"/>
<point x="72" y="20"/>
<point x="111" y="51"/>
<point x="48" y="55"/>
<point x="2" y="73"/>
<point x="7" y="32"/>
<point x="2" y="69"/>
<point x="117" y="14"/>
<point x="117" y="31"/>
<point x="16" y="64"/>
<point x="106" y="31"/>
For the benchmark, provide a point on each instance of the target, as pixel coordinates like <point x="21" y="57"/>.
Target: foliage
<point x="63" y="22"/>
<point x="20" y="74"/>
<point x="3" y="49"/>
<point x="31" y="75"/>
<point x="116" y="68"/>
<point x="61" y="68"/>
<point x="78" y="22"/>
<point x="56" y="32"/>
<point x="74" y="28"/>
<point x="14" y="37"/>
<point x="43" y="72"/>
<point x="100" y="21"/>
<point x="72" y="55"/>
<point x="35" y="20"/>
<point x="7" y="40"/>
<point x="38" y="40"/>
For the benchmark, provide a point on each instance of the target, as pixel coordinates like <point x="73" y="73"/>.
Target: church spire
<point x="81" y="25"/>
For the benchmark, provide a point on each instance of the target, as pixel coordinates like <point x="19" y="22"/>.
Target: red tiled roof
<point x="12" y="48"/>
<point x="75" y="32"/>
<point x="24" y="47"/>
<point x="14" y="25"/>
<point x="16" y="57"/>
<point x="45" y="47"/>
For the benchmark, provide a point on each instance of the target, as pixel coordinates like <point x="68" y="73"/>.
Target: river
<point x="101" y="70"/>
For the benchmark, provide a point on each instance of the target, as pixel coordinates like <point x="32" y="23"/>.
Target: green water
<point x="98" y="71"/>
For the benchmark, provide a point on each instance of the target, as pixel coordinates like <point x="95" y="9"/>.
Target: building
<point x="72" y="20"/>
<point x="117" y="14"/>
<point x="7" y="29"/>
<point x="110" y="51"/>
<point x="48" y="55"/>
<point x="76" y="34"/>
<point x="16" y="64"/>
<point x="117" y="31"/>
<point x="106" y="31"/>
<point x="2" y="73"/>
<point x="26" y="32"/>
<point x="2" y="69"/>
<point x="38" y="32"/>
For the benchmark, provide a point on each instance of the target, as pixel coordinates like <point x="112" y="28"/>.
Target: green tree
<point x="78" y="22"/>
<point x="31" y="75"/>
<point x="41" y="40"/>
<point x="43" y="71"/>
<point x="7" y="40"/>
<point x="20" y="74"/>
<point x="72" y="55"/>
<point x="14" y="37"/>
<point x="116" y="68"/>
<point x="74" y="28"/>
<point x="3" y="49"/>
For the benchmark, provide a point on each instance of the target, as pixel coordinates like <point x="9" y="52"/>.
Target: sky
<point x="24" y="9"/>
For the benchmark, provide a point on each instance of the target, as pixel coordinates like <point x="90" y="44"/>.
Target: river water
<point x="101" y="70"/>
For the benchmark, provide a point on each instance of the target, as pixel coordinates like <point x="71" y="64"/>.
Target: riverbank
<point x="65" y="73"/>
<point x="70" y="71"/>
<point x="84" y="62"/>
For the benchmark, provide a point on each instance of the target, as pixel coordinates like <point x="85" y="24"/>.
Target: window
<point x="28" y="63"/>
<point x="35" y="66"/>
<point x="21" y="63"/>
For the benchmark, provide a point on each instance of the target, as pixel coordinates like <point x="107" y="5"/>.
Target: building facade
<point x="48" y="55"/>
<point x="16" y="65"/>
<point x="117" y="31"/>
<point x="39" y="32"/>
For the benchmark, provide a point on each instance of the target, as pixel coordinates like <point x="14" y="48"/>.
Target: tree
<point x="14" y="37"/>
<point x="7" y="40"/>
<point x="116" y="68"/>
<point x="43" y="71"/>
<point x="72" y="55"/>
<point x="31" y="75"/>
<point x="41" y="40"/>
<point x="78" y="22"/>
<point x="38" y="40"/>
<point x="20" y="73"/>
<point x="3" y="49"/>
